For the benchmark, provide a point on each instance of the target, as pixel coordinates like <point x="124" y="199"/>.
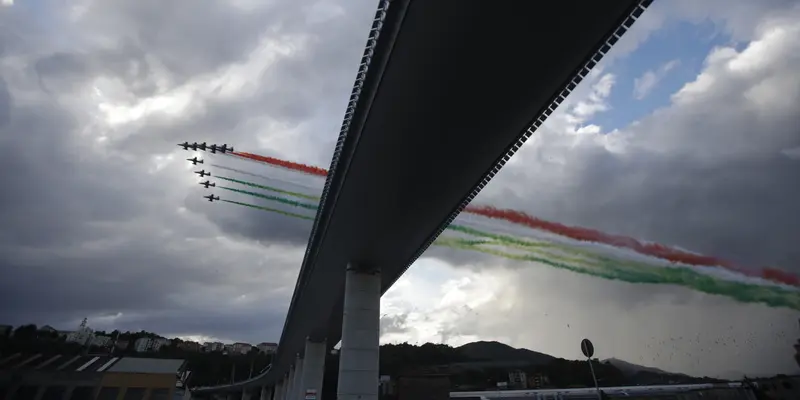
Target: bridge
<point x="446" y="93"/>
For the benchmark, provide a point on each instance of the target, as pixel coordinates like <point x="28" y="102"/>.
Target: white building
<point x="101" y="341"/>
<point x="267" y="347"/>
<point x="142" y="345"/>
<point x="158" y="343"/>
<point x="242" y="348"/>
<point x="146" y="344"/>
<point x="83" y="336"/>
<point x="213" y="346"/>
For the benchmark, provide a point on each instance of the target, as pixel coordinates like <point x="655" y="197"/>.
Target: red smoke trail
<point x="577" y="233"/>
<point x="308" y="169"/>
<point x="650" y="249"/>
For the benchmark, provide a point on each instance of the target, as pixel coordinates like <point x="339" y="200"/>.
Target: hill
<point x="499" y="352"/>
<point x="631" y="369"/>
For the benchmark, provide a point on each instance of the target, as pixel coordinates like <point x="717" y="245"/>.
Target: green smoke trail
<point x="270" y="188"/>
<point x="596" y="265"/>
<point x="743" y="292"/>
<point x="273" y="198"/>
<point x="286" y="213"/>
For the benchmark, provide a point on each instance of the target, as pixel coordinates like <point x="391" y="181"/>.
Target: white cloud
<point x="707" y="173"/>
<point x="648" y="81"/>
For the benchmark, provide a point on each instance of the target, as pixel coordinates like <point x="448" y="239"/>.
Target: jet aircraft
<point x="202" y="146"/>
<point x="202" y="173"/>
<point x="208" y="184"/>
<point x="195" y="160"/>
<point x="213" y="148"/>
<point x="224" y="148"/>
<point x="185" y="145"/>
<point x="211" y="198"/>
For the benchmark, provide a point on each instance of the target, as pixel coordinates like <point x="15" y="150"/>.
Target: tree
<point x="25" y="333"/>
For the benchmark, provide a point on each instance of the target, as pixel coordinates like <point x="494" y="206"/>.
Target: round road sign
<point x="587" y="348"/>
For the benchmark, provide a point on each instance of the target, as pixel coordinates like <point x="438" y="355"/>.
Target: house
<point x="189" y="346"/>
<point x="241" y="348"/>
<point x="48" y="329"/>
<point x="267" y="347"/>
<point x="63" y="376"/>
<point x="213" y="346"/>
<point x="101" y="341"/>
<point x="517" y="379"/>
<point x="6" y="330"/>
<point x="83" y="336"/>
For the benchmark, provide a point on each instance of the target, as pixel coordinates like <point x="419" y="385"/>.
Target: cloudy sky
<point x="686" y="134"/>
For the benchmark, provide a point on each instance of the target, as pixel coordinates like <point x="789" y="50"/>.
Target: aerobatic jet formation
<point x="211" y="198"/>
<point x="202" y="173"/>
<point x="206" y="147"/>
<point x="195" y="160"/>
<point x="208" y="184"/>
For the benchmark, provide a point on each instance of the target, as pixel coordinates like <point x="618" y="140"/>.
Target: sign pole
<point x="588" y="350"/>
<point x="596" y="385"/>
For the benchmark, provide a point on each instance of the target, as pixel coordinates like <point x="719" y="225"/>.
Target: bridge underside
<point x="464" y="81"/>
<point x="452" y="86"/>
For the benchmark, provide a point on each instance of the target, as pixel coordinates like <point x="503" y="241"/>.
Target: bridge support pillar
<point x="313" y="369"/>
<point x="245" y="395"/>
<point x="288" y="389"/>
<point x="279" y="390"/>
<point x="359" y="354"/>
<point x="297" y="385"/>
<point x="266" y="393"/>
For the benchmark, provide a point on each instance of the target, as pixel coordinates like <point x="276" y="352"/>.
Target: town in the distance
<point x="42" y="362"/>
<point x="139" y="342"/>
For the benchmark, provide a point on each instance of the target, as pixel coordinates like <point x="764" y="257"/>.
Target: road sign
<point x="587" y="348"/>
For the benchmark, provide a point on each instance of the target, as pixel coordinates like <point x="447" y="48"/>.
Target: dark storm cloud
<point x="95" y="227"/>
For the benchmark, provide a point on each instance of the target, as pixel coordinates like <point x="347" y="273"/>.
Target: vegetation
<point x="474" y="366"/>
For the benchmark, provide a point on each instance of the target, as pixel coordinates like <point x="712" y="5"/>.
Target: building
<point x="423" y="387"/>
<point x="83" y="336"/>
<point x="122" y="344"/>
<point x="48" y="329"/>
<point x="63" y="376"/>
<point x="214" y="346"/>
<point x="267" y="347"/>
<point x="241" y="348"/>
<point x="158" y="343"/>
<point x="780" y="387"/>
<point x="517" y="379"/>
<point x="101" y="341"/>
<point x="146" y="344"/>
<point x="538" y="381"/>
<point x="189" y="346"/>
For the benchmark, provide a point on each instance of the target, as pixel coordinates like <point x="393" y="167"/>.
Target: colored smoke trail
<point x="650" y="249"/>
<point x="581" y="234"/>
<point x="286" y="213"/>
<point x="308" y="169"/>
<point x="240" y="171"/>
<point x="270" y="188"/>
<point x="606" y="268"/>
<point x="272" y="198"/>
